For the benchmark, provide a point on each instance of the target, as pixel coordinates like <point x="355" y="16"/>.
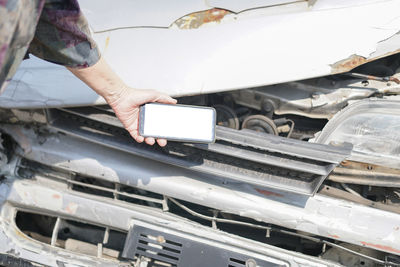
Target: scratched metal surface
<point x="320" y="215"/>
<point x="222" y="51"/>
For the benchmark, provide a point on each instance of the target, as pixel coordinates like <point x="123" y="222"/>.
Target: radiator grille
<point x="258" y="159"/>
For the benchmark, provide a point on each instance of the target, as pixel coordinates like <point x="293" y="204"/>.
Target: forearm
<point x="102" y="79"/>
<point x="123" y="100"/>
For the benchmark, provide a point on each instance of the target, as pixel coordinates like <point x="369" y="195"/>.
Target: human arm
<point x="125" y="101"/>
<point x="63" y="37"/>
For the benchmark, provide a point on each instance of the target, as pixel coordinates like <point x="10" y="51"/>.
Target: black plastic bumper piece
<point x="182" y="252"/>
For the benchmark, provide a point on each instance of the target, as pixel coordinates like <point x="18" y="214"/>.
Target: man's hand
<point x="124" y="101"/>
<point x="126" y="107"/>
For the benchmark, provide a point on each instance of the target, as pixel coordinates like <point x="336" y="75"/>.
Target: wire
<point x="357" y="253"/>
<point x="315" y="239"/>
<point x="217" y="219"/>
<point x="291" y="127"/>
<point x="348" y="189"/>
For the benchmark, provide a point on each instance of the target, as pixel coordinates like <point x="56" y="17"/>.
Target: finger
<point x="166" y="99"/>
<point x="138" y="138"/>
<point x="149" y="140"/>
<point x="135" y="135"/>
<point x="162" y="142"/>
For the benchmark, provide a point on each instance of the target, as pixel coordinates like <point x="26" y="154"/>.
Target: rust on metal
<point x="360" y="168"/>
<point x="21" y="234"/>
<point x="334" y="236"/>
<point x="198" y="19"/>
<point x="351" y="172"/>
<point x="348" y="64"/>
<point x="268" y="193"/>
<point x="71" y="208"/>
<point x="375" y="78"/>
<point x="337" y="193"/>
<point x="354" y="61"/>
<point x="381" y="247"/>
<point x="161" y="239"/>
<point x="107" y="42"/>
<point x="360" y="165"/>
<point x="394" y="79"/>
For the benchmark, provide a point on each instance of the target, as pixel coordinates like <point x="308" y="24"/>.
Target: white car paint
<point x="253" y="48"/>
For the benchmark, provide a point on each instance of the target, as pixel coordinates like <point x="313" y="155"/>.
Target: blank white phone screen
<point x="179" y="122"/>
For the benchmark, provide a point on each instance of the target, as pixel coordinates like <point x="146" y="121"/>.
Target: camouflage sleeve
<point x="62" y="36"/>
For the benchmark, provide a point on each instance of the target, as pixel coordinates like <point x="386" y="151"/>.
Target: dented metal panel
<point x="198" y="19"/>
<point x="251" y="51"/>
<point x="94" y="210"/>
<point x="159" y="14"/>
<point x="252" y="48"/>
<point x="239" y="6"/>
<point x="319" y="215"/>
<point x="248" y="157"/>
<point x="137" y="13"/>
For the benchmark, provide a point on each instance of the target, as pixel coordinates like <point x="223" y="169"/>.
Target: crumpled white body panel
<point x="256" y="47"/>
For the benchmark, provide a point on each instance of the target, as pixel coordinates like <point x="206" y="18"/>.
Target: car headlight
<point x="372" y="126"/>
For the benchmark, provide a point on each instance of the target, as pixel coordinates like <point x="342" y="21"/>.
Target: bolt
<point x="315" y="96"/>
<point x="335" y="143"/>
<point x="160" y="239"/>
<point x="267" y="106"/>
<point x="251" y="263"/>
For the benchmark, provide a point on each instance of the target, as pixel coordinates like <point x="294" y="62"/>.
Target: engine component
<point x="342" y="194"/>
<point x="375" y="78"/>
<point x="227" y="117"/>
<point x="365" y="174"/>
<point x="260" y="123"/>
<point x="350" y="259"/>
<point x="282" y="126"/>
<point x="315" y="98"/>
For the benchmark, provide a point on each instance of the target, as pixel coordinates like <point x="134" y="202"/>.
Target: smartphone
<point x="177" y="122"/>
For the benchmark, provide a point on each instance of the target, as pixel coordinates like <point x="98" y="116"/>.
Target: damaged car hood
<point x="201" y="47"/>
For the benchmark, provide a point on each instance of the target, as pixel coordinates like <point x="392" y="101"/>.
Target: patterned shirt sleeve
<point x="63" y="37"/>
<point x="17" y="27"/>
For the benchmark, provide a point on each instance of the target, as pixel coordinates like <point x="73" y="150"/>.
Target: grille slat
<point x="261" y="160"/>
<point x="88" y="185"/>
<point x="236" y="263"/>
<point x="156" y="257"/>
<point x="163" y="244"/>
<point x="159" y="251"/>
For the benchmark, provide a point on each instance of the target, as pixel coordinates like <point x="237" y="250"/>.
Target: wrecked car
<point x="305" y="170"/>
